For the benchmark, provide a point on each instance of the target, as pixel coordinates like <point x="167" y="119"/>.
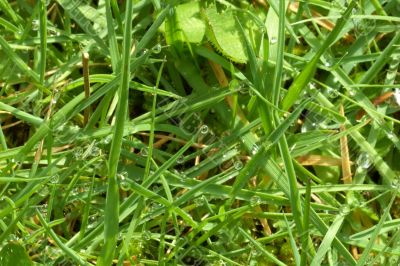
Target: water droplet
<point x="144" y="152"/>
<point x="273" y="40"/>
<point x="328" y="63"/>
<point x="124" y="185"/>
<point x="391" y="135"/>
<point x="238" y="165"/>
<point x="180" y="159"/>
<point x="78" y="153"/>
<point x="364" y="161"/>
<point x="332" y="93"/>
<point x="156" y="48"/>
<point x="54" y="179"/>
<point x="12" y="237"/>
<point x="43" y="209"/>
<point x="146" y="235"/>
<point x="352" y="93"/>
<point x="107" y="140"/>
<point x="255" y="201"/>
<point x="254" y="149"/>
<point x="251" y="92"/>
<point x="123" y="175"/>
<point x="344" y="210"/>
<point x="396" y="183"/>
<point x="53" y="100"/>
<point x="145" y="51"/>
<point x="95" y="151"/>
<point x="35" y="25"/>
<point x="198" y="202"/>
<point x="204" y="129"/>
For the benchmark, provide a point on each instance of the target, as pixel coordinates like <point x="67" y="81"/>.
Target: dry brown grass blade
<point x="315" y="159"/>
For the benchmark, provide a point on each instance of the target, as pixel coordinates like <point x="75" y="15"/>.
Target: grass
<point x="132" y="135"/>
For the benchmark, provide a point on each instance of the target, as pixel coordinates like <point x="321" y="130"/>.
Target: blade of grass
<point x="111" y="224"/>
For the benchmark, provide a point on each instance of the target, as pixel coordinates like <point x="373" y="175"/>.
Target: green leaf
<point x="223" y="31"/>
<point x="13" y="254"/>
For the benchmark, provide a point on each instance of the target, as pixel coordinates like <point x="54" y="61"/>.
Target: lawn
<point x="217" y="132"/>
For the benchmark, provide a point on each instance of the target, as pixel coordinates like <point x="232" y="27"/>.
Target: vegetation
<point x="199" y="132"/>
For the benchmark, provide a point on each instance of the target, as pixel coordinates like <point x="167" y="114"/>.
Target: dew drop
<point x="364" y="161"/>
<point x="107" y="140"/>
<point x="125" y="185"/>
<point x="273" y="40"/>
<point x="238" y="165"/>
<point x="144" y="152"/>
<point x="180" y="159"/>
<point x="204" y="129"/>
<point x="123" y="175"/>
<point x="332" y="93"/>
<point x="344" y="210"/>
<point x="254" y="149"/>
<point x="391" y="135"/>
<point x="35" y="25"/>
<point x="95" y="151"/>
<point x="328" y="64"/>
<point x="146" y="235"/>
<point x="255" y="201"/>
<point x="198" y="202"/>
<point x="396" y="183"/>
<point x="78" y="153"/>
<point x="156" y="48"/>
<point x="54" y="179"/>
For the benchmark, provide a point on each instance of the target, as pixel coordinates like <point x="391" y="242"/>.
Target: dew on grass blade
<point x="124" y="185"/>
<point x="255" y="201"/>
<point x="273" y="40"/>
<point x="199" y="202"/>
<point x="238" y="165"/>
<point x="364" y="160"/>
<point x="344" y="210"/>
<point x="54" y="179"/>
<point x="107" y="140"/>
<point x="144" y="152"/>
<point x="180" y="159"/>
<point x="254" y="149"/>
<point x="204" y="129"/>
<point x="35" y="25"/>
<point x="395" y="183"/>
<point x="146" y="235"/>
<point x="156" y="48"/>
